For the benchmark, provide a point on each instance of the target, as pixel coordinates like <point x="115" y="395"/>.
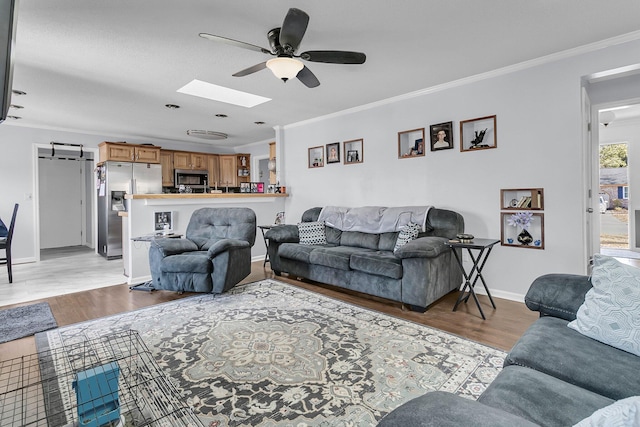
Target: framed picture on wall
<point x="411" y="143"/>
<point x="163" y="222"/>
<point x="333" y="153"/>
<point x="353" y="151"/>
<point x="316" y="157"/>
<point x="441" y="136"/>
<point x="478" y="134"/>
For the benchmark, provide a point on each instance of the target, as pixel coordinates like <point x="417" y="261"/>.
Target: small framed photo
<point x="478" y="134"/>
<point x="411" y="143"/>
<point x="316" y="157"/>
<point x="333" y="153"/>
<point x="163" y="222"/>
<point x="245" y="187"/>
<point x="441" y="136"/>
<point x="353" y="151"/>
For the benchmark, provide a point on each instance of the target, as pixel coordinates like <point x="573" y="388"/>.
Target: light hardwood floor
<point x="501" y="329"/>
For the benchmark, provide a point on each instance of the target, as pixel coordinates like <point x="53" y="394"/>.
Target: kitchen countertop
<point x="203" y="195"/>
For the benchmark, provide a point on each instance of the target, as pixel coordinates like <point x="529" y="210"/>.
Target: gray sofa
<point x="417" y="274"/>
<point x="213" y="257"/>
<point x="553" y="376"/>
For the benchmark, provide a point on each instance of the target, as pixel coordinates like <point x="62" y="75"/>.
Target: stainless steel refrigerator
<point x="115" y="180"/>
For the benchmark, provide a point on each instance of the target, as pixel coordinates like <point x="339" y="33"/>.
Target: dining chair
<point x="5" y="243"/>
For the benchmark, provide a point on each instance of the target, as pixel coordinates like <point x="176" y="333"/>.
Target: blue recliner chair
<point x="214" y="256"/>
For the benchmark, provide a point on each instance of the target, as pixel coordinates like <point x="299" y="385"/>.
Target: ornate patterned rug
<point x="271" y="354"/>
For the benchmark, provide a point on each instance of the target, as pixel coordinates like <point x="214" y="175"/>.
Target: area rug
<point x="271" y="354"/>
<point x="24" y="321"/>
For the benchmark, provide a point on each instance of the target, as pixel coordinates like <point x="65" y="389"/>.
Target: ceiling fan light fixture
<point x="285" y="68"/>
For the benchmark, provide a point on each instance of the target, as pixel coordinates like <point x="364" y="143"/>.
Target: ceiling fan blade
<point x="308" y="78"/>
<point x="293" y="28"/>
<point x="235" y="43"/>
<point x="334" y="56"/>
<point x="251" y="70"/>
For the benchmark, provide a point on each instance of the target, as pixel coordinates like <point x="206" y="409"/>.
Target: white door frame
<point x="93" y="203"/>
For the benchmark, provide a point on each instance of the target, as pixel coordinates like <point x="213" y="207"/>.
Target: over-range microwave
<point x="192" y="178"/>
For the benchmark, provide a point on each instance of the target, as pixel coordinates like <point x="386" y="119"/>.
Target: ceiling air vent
<point x="207" y="134"/>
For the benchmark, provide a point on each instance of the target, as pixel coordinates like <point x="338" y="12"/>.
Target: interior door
<point x="60" y="202"/>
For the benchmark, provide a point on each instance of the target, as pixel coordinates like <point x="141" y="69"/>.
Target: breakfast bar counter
<point x="140" y="220"/>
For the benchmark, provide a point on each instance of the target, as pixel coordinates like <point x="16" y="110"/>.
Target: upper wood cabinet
<point x="272" y="157"/>
<point x="228" y="172"/>
<point x="123" y="152"/>
<point x="213" y="162"/>
<point x="243" y="162"/>
<point x="166" y="160"/>
<point x="190" y="160"/>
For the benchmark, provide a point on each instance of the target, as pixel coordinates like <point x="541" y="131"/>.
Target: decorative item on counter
<point x="279" y="218"/>
<point x="523" y="221"/>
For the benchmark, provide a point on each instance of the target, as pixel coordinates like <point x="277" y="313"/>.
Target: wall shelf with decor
<point x="411" y="143"/>
<point x="531" y="237"/>
<point x="521" y="219"/>
<point x="522" y="198"/>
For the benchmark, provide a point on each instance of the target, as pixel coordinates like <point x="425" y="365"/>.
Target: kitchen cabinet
<point x="166" y="160"/>
<point x="190" y="160"/>
<point x="123" y="152"/>
<point x="228" y="172"/>
<point x="272" y="157"/>
<point x="213" y="163"/>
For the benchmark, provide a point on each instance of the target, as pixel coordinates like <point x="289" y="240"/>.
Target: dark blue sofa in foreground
<point x="553" y="376"/>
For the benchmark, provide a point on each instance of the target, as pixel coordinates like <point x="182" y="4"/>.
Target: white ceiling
<point x="109" y="67"/>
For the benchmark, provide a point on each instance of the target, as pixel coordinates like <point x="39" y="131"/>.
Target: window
<point x="625" y="192"/>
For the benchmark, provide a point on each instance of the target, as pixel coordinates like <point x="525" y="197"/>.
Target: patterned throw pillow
<point x="623" y="413"/>
<point x="610" y="312"/>
<point x="407" y="233"/>
<point x="312" y="233"/>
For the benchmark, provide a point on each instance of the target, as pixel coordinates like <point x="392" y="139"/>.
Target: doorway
<point x="65" y="200"/>
<point x="613" y="199"/>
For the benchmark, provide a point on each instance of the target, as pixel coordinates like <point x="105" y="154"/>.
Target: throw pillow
<point x="312" y="233"/>
<point x="407" y="233"/>
<point x="623" y="413"/>
<point x="610" y="312"/>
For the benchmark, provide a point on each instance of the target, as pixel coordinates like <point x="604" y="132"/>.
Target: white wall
<point x="539" y="144"/>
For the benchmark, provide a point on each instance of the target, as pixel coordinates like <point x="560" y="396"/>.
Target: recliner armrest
<point x="285" y="233"/>
<point x="424" y="247"/>
<point x="558" y="295"/>
<point x="226" y="244"/>
<point x="173" y="246"/>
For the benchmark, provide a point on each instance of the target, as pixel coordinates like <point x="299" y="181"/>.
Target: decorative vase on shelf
<point x="524" y="237"/>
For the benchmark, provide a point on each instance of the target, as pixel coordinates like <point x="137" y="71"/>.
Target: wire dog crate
<point x="38" y="390"/>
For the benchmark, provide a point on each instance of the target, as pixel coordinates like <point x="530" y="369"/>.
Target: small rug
<point x="272" y="354"/>
<point x="20" y="322"/>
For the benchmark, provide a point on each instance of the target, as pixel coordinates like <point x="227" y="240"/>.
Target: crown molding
<point x="602" y="44"/>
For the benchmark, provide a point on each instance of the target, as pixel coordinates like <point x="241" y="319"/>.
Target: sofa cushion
<point x="192" y="262"/>
<point x="333" y="235"/>
<point x="541" y="398"/>
<point x="623" y="413"/>
<point x="379" y="263"/>
<point x="549" y="346"/>
<point x="359" y="239"/>
<point x="408" y="233"/>
<point x="312" y="233"/>
<point x="296" y="251"/>
<point x="387" y="241"/>
<point x="334" y="257"/>
<point x="610" y="312"/>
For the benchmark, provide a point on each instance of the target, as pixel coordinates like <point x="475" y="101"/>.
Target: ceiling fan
<point x="284" y="42"/>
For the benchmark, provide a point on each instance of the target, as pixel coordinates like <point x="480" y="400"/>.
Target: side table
<point x="148" y="286"/>
<point x="483" y="246"/>
<point x="266" y="242"/>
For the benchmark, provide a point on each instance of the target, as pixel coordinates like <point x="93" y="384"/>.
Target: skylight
<point x="222" y="94"/>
